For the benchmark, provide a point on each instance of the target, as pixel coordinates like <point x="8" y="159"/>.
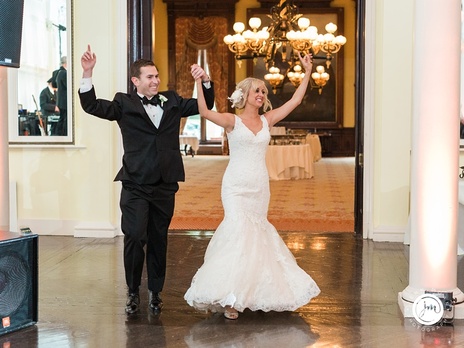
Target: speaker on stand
<point x="18" y="255"/>
<point x="18" y="281"/>
<point x="11" y="26"/>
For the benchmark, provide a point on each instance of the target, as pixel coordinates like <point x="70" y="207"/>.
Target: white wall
<point x="391" y="119"/>
<point x="69" y="190"/>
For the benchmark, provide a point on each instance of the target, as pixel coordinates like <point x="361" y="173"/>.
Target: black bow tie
<point x="153" y="101"/>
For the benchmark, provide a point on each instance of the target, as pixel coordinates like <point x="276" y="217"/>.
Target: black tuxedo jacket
<point x="62" y="88"/>
<point x="150" y="153"/>
<point x="47" y="102"/>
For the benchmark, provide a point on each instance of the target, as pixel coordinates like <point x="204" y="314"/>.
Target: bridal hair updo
<point x="240" y="95"/>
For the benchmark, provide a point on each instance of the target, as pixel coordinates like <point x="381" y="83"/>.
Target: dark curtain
<point x="194" y="34"/>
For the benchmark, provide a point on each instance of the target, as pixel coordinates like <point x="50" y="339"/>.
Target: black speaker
<point x="18" y="281"/>
<point x="11" y="27"/>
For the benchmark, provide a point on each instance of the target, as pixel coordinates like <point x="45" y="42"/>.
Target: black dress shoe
<point x="155" y="302"/>
<point x="132" y="303"/>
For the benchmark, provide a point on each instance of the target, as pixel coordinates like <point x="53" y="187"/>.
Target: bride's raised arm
<point x="283" y="111"/>
<point x="225" y="120"/>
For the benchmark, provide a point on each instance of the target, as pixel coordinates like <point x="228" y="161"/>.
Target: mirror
<point x="40" y="104"/>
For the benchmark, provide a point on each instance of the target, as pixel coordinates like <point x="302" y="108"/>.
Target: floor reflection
<point x="253" y="329"/>
<point x="82" y="296"/>
<point x="440" y="337"/>
<point x="141" y="329"/>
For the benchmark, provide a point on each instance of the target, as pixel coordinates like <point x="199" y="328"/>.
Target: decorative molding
<point x="299" y="3"/>
<point x="95" y="230"/>
<point x="91" y="229"/>
<point x="200" y="8"/>
<point x="389" y="234"/>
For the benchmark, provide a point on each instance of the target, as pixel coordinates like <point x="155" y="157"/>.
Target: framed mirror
<point x="320" y="108"/>
<point x="40" y="102"/>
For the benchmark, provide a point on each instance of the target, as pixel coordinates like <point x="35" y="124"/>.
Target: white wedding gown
<point x="247" y="264"/>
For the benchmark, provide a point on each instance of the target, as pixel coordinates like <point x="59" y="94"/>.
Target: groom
<point x="151" y="167"/>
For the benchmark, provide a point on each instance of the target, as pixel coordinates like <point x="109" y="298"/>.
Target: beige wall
<point x="160" y="44"/>
<point x="349" y="50"/>
<point x="392" y="118"/>
<point x="61" y="188"/>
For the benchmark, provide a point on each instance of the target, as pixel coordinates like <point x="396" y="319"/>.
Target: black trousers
<point x="146" y="214"/>
<point x="61" y="127"/>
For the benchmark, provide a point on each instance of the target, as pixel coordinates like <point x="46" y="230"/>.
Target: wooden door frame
<point x="359" y="117"/>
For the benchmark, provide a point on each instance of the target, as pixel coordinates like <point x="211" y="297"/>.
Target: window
<point x="195" y="124"/>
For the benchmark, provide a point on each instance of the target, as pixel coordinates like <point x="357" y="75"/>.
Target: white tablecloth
<point x="315" y="143"/>
<point x="187" y="140"/>
<point x="285" y="162"/>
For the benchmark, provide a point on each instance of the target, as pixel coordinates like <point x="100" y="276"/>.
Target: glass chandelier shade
<point x="320" y="77"/>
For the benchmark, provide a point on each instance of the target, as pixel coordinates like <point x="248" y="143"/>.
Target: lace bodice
<point x="246" y="147"/>
<point x="246" y="174"/>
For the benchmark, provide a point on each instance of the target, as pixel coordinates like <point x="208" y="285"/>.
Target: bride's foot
<point x="231" y="313"/>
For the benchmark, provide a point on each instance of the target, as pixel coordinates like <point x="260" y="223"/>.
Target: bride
<point x="247" y="264"/>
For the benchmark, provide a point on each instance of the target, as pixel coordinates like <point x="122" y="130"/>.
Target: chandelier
<point x="288" y="33"/>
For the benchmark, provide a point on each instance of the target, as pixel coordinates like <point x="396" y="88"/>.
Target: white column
<point x="4" y="163"/>
<point x="435" y="153"/>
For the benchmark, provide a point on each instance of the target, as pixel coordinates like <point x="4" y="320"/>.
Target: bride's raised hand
<point x="197" y="72"/>
<point x="306" y="61"/>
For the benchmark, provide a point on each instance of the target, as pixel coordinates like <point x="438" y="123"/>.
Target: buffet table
<point x="189" y="144"/>
<point x="286" y="162"/>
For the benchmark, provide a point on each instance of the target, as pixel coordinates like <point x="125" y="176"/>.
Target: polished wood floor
<point x="82" y="295"/>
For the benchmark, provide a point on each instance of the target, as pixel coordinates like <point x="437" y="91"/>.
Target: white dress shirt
<point x="155" y="112"/>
